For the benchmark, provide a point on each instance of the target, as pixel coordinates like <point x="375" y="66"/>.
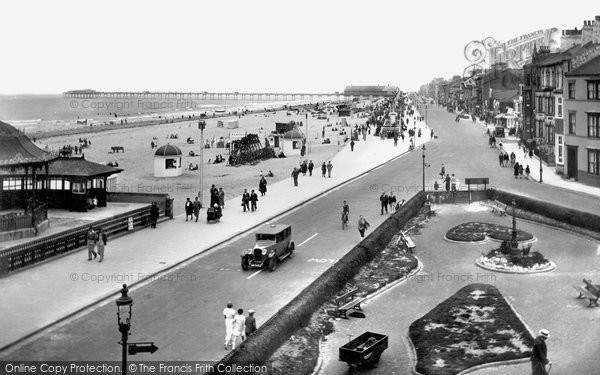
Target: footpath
<point x="37" y="298"/>
<point x="549" y="175"/>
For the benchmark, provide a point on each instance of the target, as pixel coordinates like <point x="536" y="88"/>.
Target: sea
<point x="34" y="113"/>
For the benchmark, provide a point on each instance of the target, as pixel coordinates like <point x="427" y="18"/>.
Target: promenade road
<point x="184" y="316"/>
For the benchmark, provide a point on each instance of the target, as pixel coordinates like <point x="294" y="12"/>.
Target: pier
<point x="247" y="96"/>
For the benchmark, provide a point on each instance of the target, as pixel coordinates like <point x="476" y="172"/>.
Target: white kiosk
<point x="167" y="161"/>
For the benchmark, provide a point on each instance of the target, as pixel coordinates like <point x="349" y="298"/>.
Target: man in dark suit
<point x="154" y="212"/>
<point x="384" y="202"/>
<point x="539" y="353"/>
<point x="253" y="200"/>
<point x="245" y="200"/>
<point x="189" y="209"/>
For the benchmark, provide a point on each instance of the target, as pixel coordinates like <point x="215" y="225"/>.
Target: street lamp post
<point x="424" y="165"/>
<point x="124" y="304"/>
<point x="201" y="126"/>
<point x="540" y="157"/>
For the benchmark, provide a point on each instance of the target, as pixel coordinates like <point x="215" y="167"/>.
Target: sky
<point x="255" y="45"/>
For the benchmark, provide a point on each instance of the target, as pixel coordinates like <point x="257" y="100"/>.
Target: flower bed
<point x="533" y="262"/>
<point x="473" y="327"/>
<point x="476" y="232"/>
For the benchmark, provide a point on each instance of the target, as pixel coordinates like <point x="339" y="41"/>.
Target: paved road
<point x="184" y="317"/>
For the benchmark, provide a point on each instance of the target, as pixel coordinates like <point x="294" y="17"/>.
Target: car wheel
<point x="273" y="264"/>
<point x="245" y="263"/>
<point x="291" y="248"/>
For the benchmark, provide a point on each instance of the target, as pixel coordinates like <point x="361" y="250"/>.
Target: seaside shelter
<point x="167" y="161"/>
<point x="23" y="172"/>
<point x="77" y="184"/>
<point x="293" y="141"/>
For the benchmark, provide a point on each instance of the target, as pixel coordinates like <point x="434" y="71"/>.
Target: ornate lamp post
<point x="124" y="304"/>
<point x="424" y="165"/>
<point x="201" y="126"/>
<point x="540" y="157"/>
<point x="513" y="243"/>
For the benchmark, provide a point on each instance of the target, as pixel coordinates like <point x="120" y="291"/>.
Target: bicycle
<point x="344" y="220"/>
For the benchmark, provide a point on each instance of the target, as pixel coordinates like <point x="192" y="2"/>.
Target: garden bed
<point x="299" y="355"/>
<point x="529" y="262"/>
<point x="473" y="327"/>
<point x="477" y="232"/>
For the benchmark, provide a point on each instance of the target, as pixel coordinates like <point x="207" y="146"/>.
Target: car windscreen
<point x="265" y="237"/>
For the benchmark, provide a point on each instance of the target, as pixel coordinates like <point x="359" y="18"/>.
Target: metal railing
<point x="24" y="255"/>
<point x="22" y="220"/>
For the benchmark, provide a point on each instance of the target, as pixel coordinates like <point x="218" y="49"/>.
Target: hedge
<point x="272" y="334"/>
<point x="567" y="215"/>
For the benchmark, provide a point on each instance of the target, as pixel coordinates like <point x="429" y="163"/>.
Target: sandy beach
<point x="137" y="160"/>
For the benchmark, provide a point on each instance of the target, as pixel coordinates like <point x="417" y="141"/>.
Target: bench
<point x="589" y="291"/>
<point x="347" y="301"/>
<point x="407" y="241"/>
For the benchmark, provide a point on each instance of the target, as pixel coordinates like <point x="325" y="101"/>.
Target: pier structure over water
<point x="92" y="94"/>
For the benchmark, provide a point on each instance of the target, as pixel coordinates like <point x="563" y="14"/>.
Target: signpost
<point x="141" y="347"/>
<point x="485" y="181"/>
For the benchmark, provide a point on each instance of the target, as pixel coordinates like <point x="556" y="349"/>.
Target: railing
<point x="24" y="255"/>
<point x="459" y="196"/>
<point x="22" y="220"/>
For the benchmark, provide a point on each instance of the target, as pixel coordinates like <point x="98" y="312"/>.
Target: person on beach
<point x="189" y="209"/>
<point x="363" y="225"/>
<point x="196" y="208"/>
<point x="262" y="186"/>
<point x="154" y="212"/>
<point x="323" y="169"/>
<point x="310" y="167"/>
<point x="329" y="168"/>
<point x="91" y="243"/>
<point x="102" y="240"/>
<point x="229" y="315"/>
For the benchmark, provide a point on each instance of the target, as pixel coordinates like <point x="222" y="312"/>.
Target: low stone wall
<point x="553" y="211"/>
<point x="147" y="198"/>
<point x="272" y="334"/>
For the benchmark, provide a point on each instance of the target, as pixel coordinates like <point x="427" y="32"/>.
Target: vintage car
<point x="272" y="245"/>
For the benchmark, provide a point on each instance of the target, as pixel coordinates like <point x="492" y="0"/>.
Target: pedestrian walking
<point x="527" y="171"/>
<point x="530" y="153"/>
<point x="154" y="213"/>
<point x="520" y="170"/>
<point x="454" y="183"/>
<point x="214" y="196"/>
<point x="91" y="243"/>
<point x="431" y="135"/>
<point x="392" y="202"/>
<point x="539" y="354"/>
<point x="352" y="145"/>
<point x="443" y="171"/>
<point x="383" y="199"/>
<point x="310" y="167"/>
<point x="516" y="170"/>
<point x="506" y="159"/>
<point x="363" y="225"/>
<point x="196" y="208"/>
<point x="102" y="240"/>
<point x="447" y="182"/>
<point x="189" y="209"/>
<point x="246" y="200"/>
<point x="250" y="324"/>
<point x="323" y="169"/>
<point x="229" y="315"/>
<point x="395" y="139"/>
<point x="239" y="327"/>
<point x="262" y="186"/>
<point x="329" y="168"/>
<point x="253" y="200"/>
<point x="295" y="174"/>
<point x="221" y="198"/>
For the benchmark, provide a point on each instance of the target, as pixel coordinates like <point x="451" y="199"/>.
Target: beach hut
<point x="233" y="124"/>
<point x="292" y="142"/>
<point x="167" y="161"/>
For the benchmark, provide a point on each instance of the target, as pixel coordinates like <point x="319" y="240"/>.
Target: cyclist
<point x="345" y="213"/>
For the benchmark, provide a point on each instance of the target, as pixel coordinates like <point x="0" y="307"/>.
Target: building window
<point x="559" y="146"/>
<point x="55" y="184"/>
<point x="593" y="125"/>
<point x="594" y="161"/>
<point x="571" y="90"/>
<point x="572" y="121"/>
<point x="170" y="163"/>
<point x="78" y="188"/>
<point x="29" y="183"/>
<point x="67" y="185"/>
<point x="592" y="90"/>
<point x="559" y="107"/>
<point x="12" y="183"/>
